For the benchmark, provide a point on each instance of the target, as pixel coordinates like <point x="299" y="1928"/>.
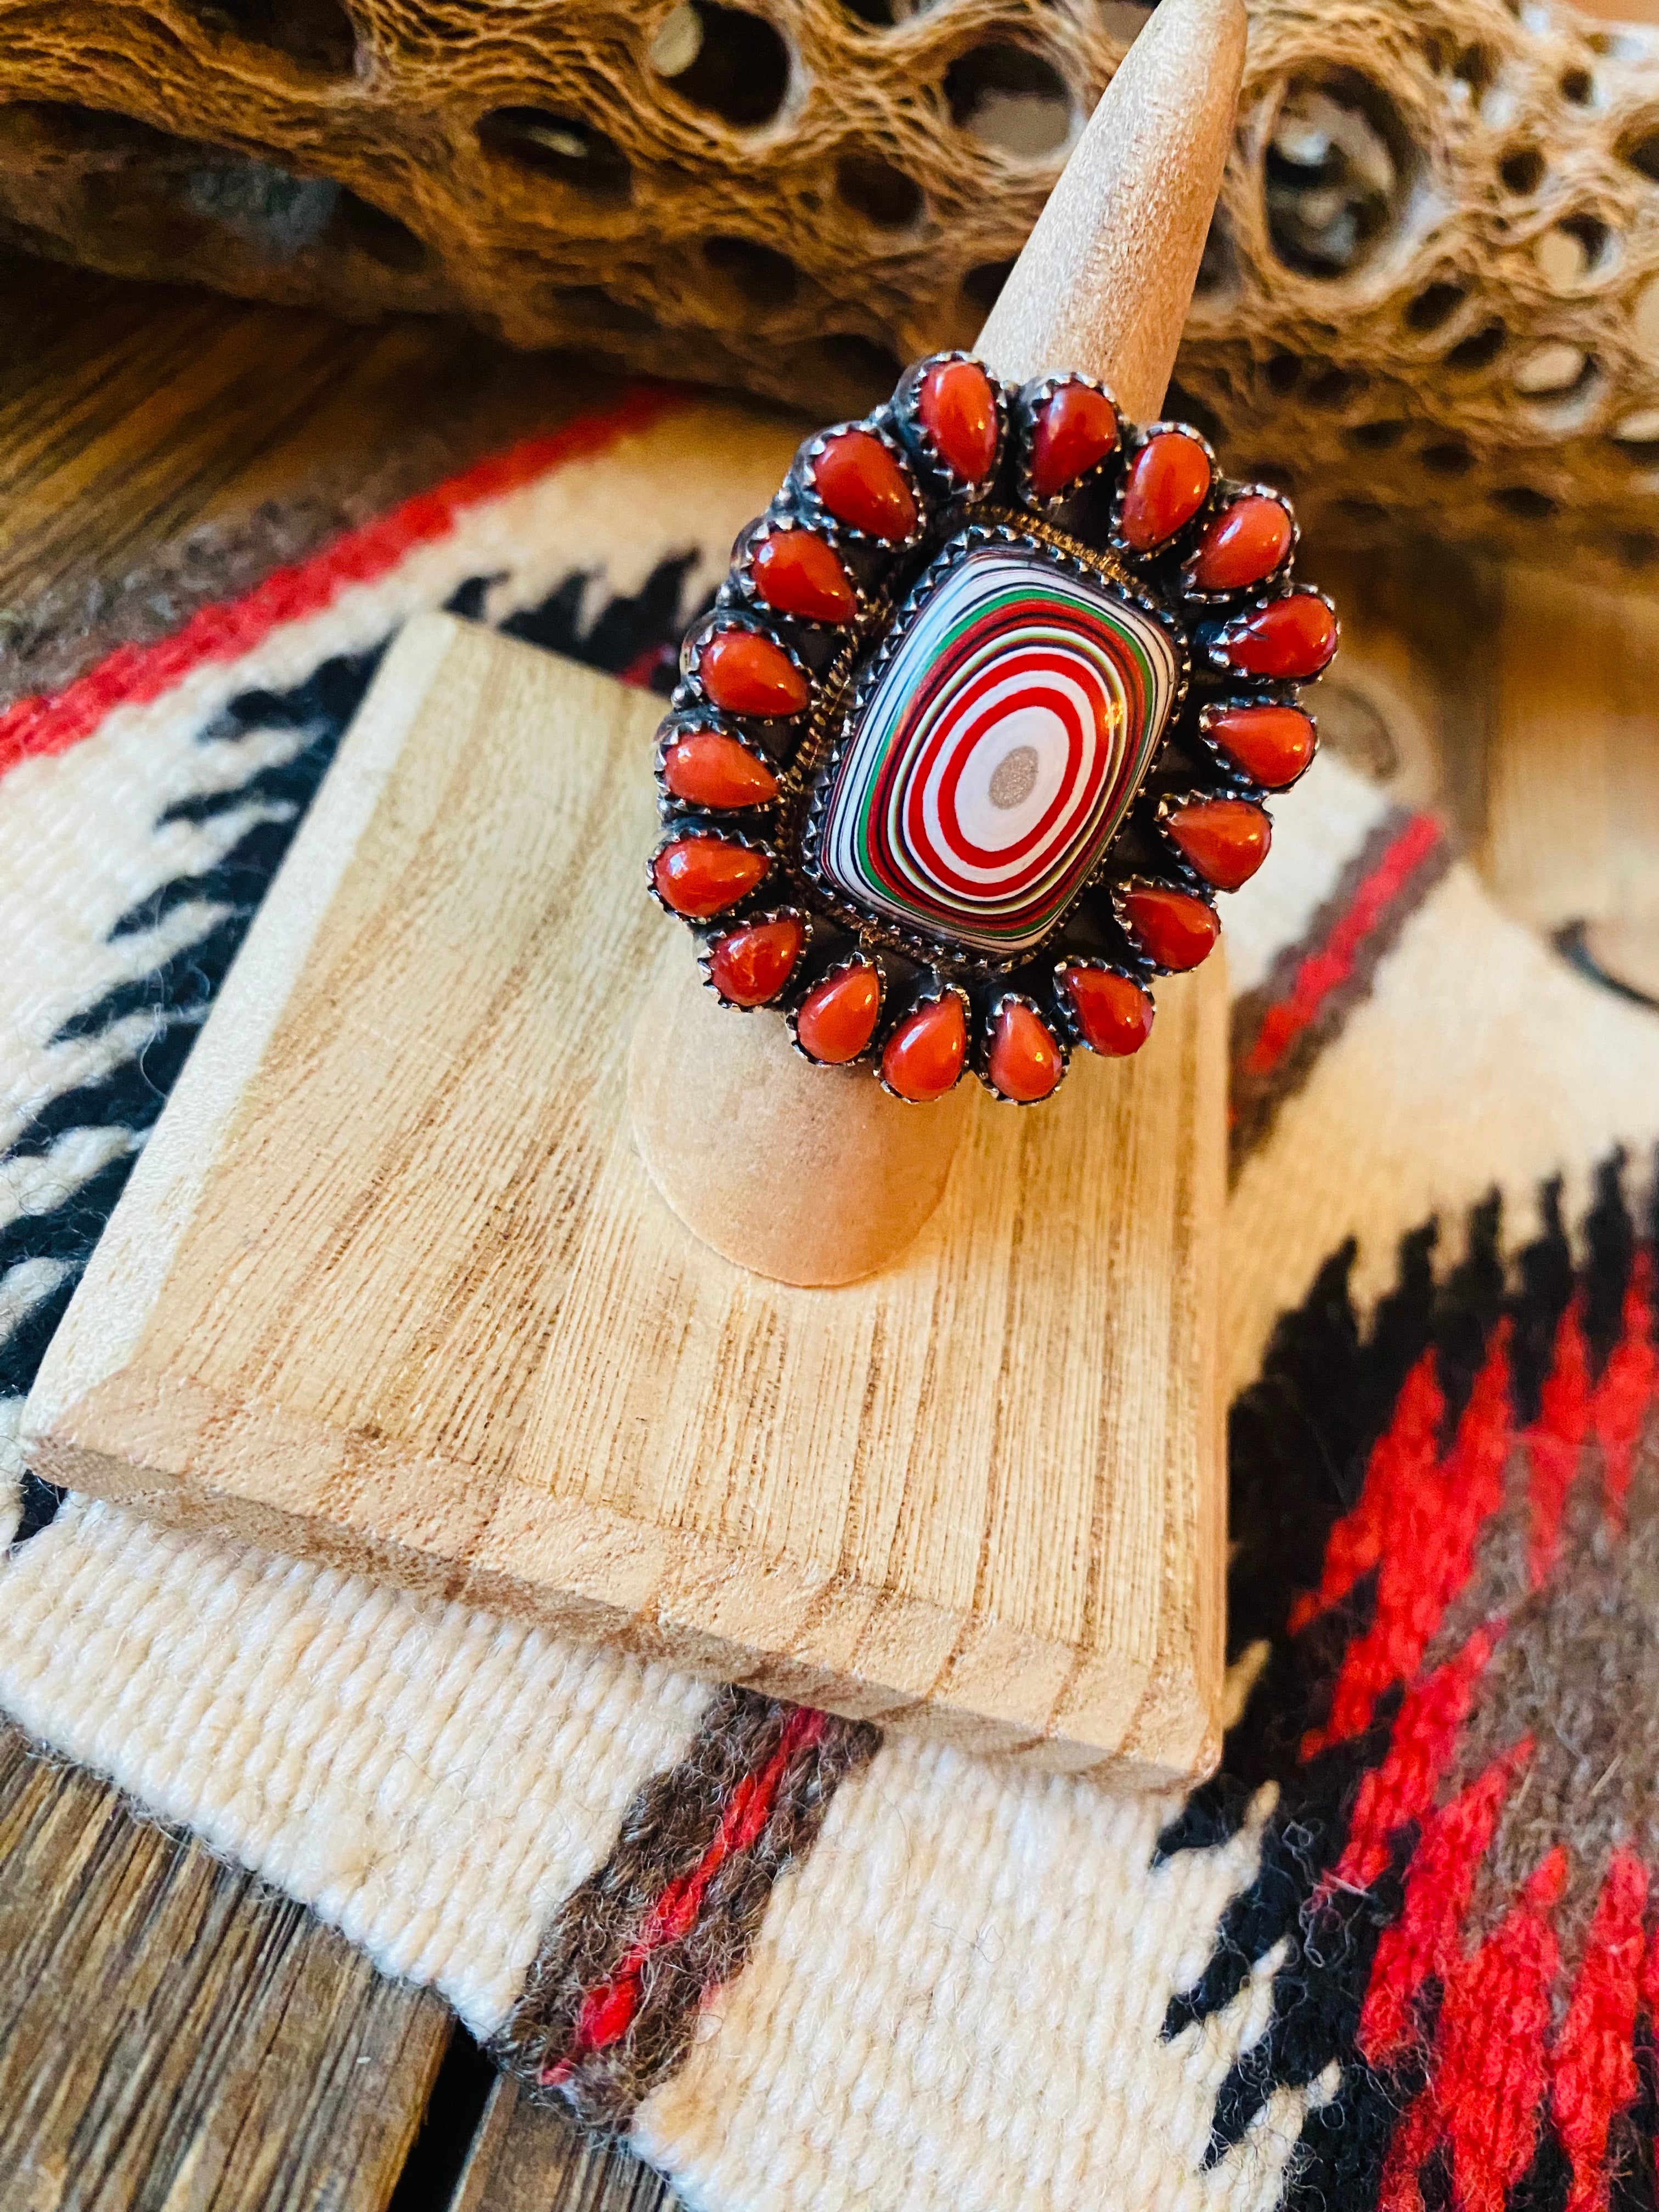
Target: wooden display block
<point x="389" y="1286"/>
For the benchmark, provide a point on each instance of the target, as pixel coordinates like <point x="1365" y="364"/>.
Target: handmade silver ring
<point x="983" y="717"/>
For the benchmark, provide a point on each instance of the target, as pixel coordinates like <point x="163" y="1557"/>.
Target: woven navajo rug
<point x="1403" y="1953"/>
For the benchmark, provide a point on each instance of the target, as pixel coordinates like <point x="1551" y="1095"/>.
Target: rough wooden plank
<point x="173" y="2036"/>
<point x="389" y="1286"/>
<point x="526" y="2158"/>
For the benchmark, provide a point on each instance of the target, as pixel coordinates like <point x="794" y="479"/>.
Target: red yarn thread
<point x="1327" y="970"/>
<point x="1487" y="2074"/>
<point x="607" y="2011"/>
<point x="1595" y="2058"/>
<point x="1417" y="1522"/>
<point x="1403" y="1788"/>
<point x="1423" y="1943"/>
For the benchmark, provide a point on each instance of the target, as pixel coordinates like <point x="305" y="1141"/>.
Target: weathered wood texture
<point x="526" y="2159"/>
<point x="390" y="1285"/>
<point x="172" y="2035"/>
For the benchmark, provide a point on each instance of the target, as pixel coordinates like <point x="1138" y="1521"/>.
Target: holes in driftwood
<point x="269" y="210"/>
<point x="1434" y="305"/>
<point x="147" y="186"/>
<point x="760" y="274"/>
<point x="983" y="283"/>
<point x="1638" y="435"/>
<point x="1284" y="373"/>
<point x="1570" y="251"/>
<point x="560" y="146"/>
<point x="725" y="60"/>
<point x="1555" y="371"/>
<point x="1578" y="85"/>
<point x="1525" y="502"/>
<point x="875" y="189"/>
<point x="371" y="231"/>
<point x="1011" y="97"/>
<point x="883" y="14"/>
<point x="1522" y="169"/>
<point x="1479" y="350"/>
<point x="1330" y="385"/>
<point x="1379" y="437"/>
<point x="1619" y="45"/>
<point x="1337" y="173"/>
<point x="1475" y="67"/>
<point x="1641" y="149"/>
<point x="1448" y="457"/>
<point x="1218" y="264"/>
<point x="315" y="34"/>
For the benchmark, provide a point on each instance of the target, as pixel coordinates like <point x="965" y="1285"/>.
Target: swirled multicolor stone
<point x="999" y="750"/>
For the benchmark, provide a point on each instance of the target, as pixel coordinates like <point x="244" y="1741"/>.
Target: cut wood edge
<point x="620" y="1579"/>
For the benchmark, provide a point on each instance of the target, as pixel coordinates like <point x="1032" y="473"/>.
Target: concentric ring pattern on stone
<point x="999" y="750"/>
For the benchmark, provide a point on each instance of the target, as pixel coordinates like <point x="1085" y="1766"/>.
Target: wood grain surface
<point x="526" y="2159"/>
<point x="390" y="1285"/>
<point x="173" y="2035"/>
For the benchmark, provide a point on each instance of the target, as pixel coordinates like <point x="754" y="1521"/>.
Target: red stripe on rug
<point x="1325" y="971"/>
<point x="608" y="2012"/>
<point x="133" y="675"/>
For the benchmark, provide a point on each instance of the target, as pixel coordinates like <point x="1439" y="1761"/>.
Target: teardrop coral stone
<point x="1076" y="428"/>
<point x="1024" y="1063"/>
<point x="837" y="1018"/>
<point x="1226" y="840"/>
<point x="1169" y="482"/>
<point x="1114" y="1015"/>
<point x="1272" y="743"/>
<point x="925" y="1054"/>
<point x="747" y="674"/>
<point x="1245" y="542"/>
<point x="862" y="485"/>
<point x="708" y="769"/>
<point x="800" y="575"/>
<point x="1289" y="638"/>
<point x="957" y="405"/>
<point x="1172" y="928"/>
<point x="752" y="965"/>
<point x="700" y="875"/>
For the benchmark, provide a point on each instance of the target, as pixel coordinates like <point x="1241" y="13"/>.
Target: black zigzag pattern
<point x="1299" y="1442"/>
<point x="627" y="633"/>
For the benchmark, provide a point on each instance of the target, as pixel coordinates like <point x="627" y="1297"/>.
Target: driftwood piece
<point x="1433" y="288"/>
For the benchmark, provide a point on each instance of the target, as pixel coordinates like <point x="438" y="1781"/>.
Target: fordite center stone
<point x="997" y="752"/>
